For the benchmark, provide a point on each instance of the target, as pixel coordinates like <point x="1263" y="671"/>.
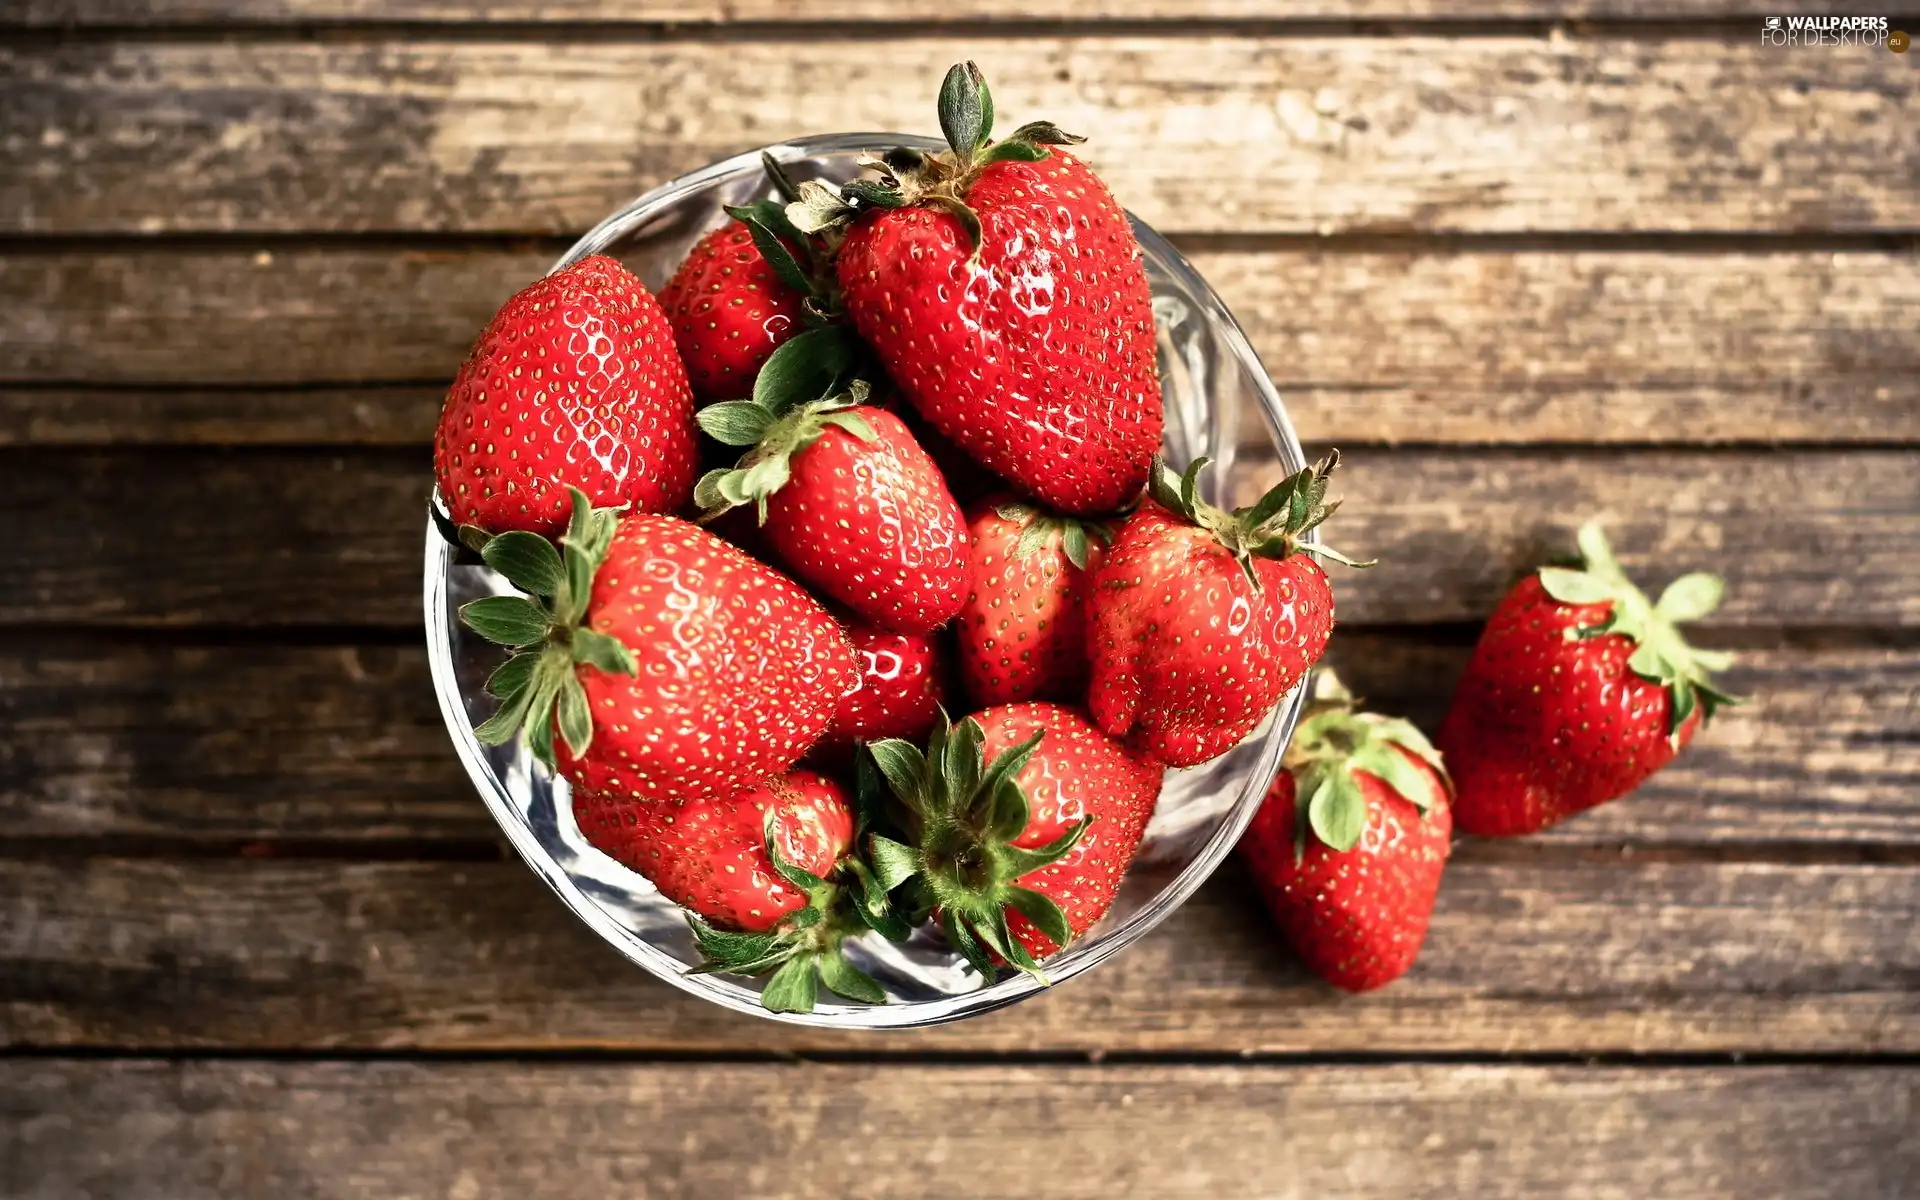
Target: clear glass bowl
<point x="1209" y="376"/>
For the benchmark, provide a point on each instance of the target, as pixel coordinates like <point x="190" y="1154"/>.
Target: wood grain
<point x="1564" y="955"/>
<point x="122" y="13"/>
<point x="799" y="1131"/>
<point x="1206" y="133"/>
<point x="286" y="743"/>
<point x="1486" y="347"/>
<point x="281" y="537"/>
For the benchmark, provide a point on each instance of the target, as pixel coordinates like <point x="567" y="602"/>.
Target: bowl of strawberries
<point x="850" y="584"/>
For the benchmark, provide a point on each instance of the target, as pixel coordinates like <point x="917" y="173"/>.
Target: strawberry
<point x="902" y="683"/>
<point x="1579" y="689"/>
<point x="849" y="502"/>
<point x="765" y="876"/>
<point x="574" y="383"/>
<point x="1003" y="290"/>
<point x="1203" y="619"/>
<point x="710" y="856"/>
<point x="1023" y="818"/>
<point x="673" y="666"/>
<point x="1350" y="873"/>
<point x="730" y="311"/>
<point x="1022" y="634"/>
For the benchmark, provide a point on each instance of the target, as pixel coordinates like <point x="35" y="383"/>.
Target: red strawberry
<point x="765" y="877"/>
<point x="710" y="856"/>
<point x="1004" y="291"/>
<point x="902" y="684"/>
<point x="848" y="501"/>
<point x="730" y="311"/>
<point x="1579" y="689"/>
<point x="1025" y="818"/>
<point x="573" y="383"/>
<point x="1022" y="634"/>
<point x="673" y="666"/>
<point x="1203" y="620"/>
<point x="1351" y="873"/>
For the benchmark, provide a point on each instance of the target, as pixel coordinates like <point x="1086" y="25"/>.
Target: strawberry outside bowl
<point x="1211" y="380"/>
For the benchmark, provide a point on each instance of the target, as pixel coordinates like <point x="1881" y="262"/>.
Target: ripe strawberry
<point x="1022" y="634"/>
<point x="902" y="683"/>
<point x="673" y="666"/>
<point x="1024" y="818"/>
<point x="1579" y="689"/>
<point x="1203" y="619"/>
<point x="1004" y="291"/>
<point x="710" y="856"/>
<point x="850" y="502"/>
<point x="1350" y="872"/>
<point x="574" y="383"/>
<point x="730" y="311"/>
<point x="765" y="875"/>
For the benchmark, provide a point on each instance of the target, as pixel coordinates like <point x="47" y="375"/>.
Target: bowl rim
<point x="1014" y="986"/>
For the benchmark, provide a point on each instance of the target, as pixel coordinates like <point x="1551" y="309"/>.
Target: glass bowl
<point x="1210" y="377"/>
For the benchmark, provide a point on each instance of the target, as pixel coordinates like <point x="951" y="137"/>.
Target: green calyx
<point x="803" y="261"/>
<point x="940" y="180"/>
<point x="1661" y="654"/>
<point x="775" y="437"/>
<point x="1041" y="530"/>
<point x="807" y="950"/>
<point x="1272" y="527"/>
<point x="963" y="814"/>
<point x="539" y="682"/>
<point x="1332" y="741"/>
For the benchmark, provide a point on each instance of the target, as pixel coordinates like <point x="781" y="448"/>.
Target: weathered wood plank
<point x="1566" y="955"/>
<point x="798" y="1131"/>
<point x="244" y="743"/>
<point x="274" y="538"/>
<point x="1481" y="347"/>
<point x="82" y="13"/>
<point x="1195" y="133"/>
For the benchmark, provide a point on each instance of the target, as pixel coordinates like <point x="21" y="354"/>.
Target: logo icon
<point x="1898" y="41"/>
<point x="1773" y="22"/>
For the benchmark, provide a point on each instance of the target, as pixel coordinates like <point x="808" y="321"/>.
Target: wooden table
<point x="260" y="938"/>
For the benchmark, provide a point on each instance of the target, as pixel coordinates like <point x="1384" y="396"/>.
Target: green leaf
<point x="1190" y="484"/>
<point x="1073" y="540"/>
<point x="963" y="111"/>
<point x="794" y="874"/>
<point x="528" y="560"/>
<point x="961" y="936"/>
<point x="1044" y="133"/>
<point x="708" y="494"/>
<point x="868" y="801"/>
<point x="854" y="424"/>
<point x="1575" y="587"/>
<point x="803" y="368"/>
<point x="1338" y="811"/>
<point x="735" y="422"/>
<point x="1596" y="553"/>
<point x="766" y="477"/>
<point x="603" y="651"/>
<point x="771" y="248"/>
<point x="995" y="935"/>
<point x="1648" y="663"/>
<point x="1691" y="597"/>
<point x="576" y="719"/>
<point x="1164" y="485"/>
<point x="1382" y="761"/>
<point x="513" y="675"/>
<point x="777" y="175"/>
<point x="506" y="721"/>
<point x="1046" y="916"/>
<point x="1680" y="707"/>
<point x="1014" y="151"/>
<point x="1018" y="862"/>
<point x="904" y="767"/>
<point x="1033" y="538"/>
<point x="1008" y="763"/>
<point x="728" y="949"/>
<point x="1010" y="813"/>
<point x="961" y="212"/>
<point x="792" y="988"/>
<point x="1712" y="660"/>
<point x="893" y="862"/>
<point x="819" y="207"/>
<point x="845" y="979"/>
<point x="962" y="764"/>
<point x="874" y="194"/>
<point x="506" y="620"/>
